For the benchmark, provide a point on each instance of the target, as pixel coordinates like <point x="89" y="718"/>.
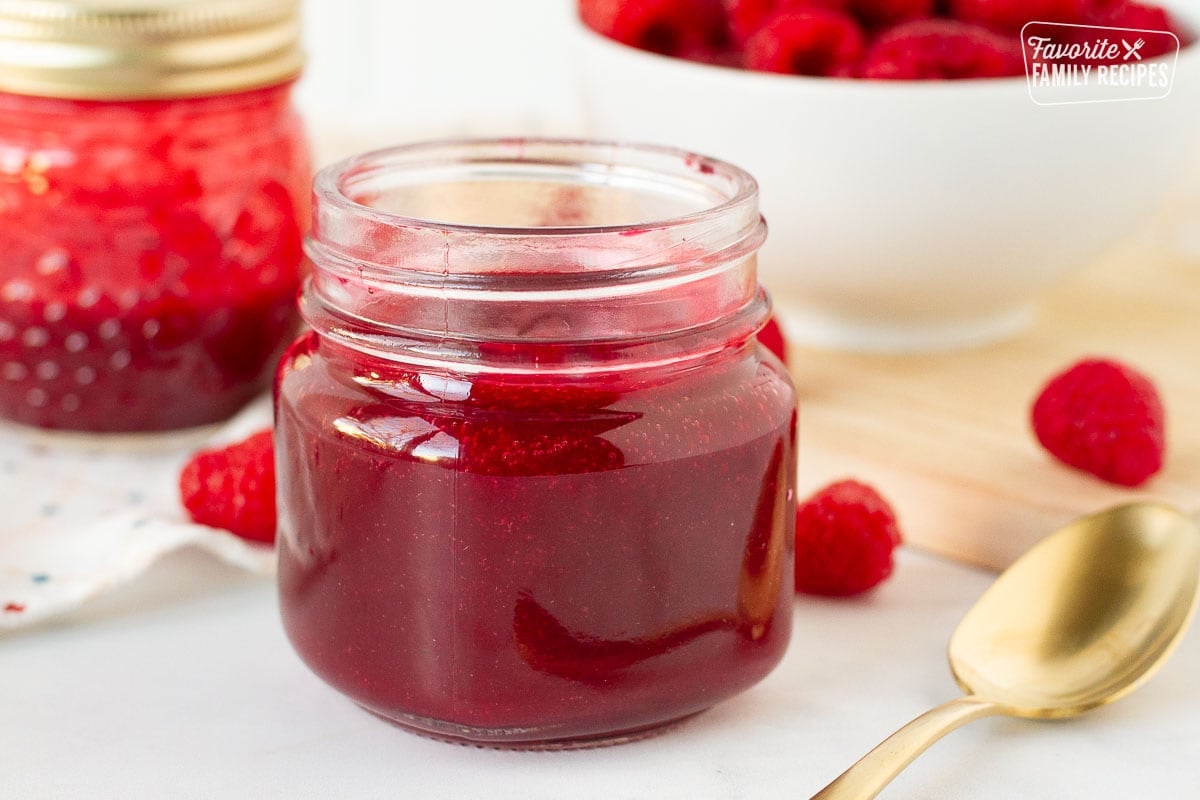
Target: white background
<point x="385" y="71"/>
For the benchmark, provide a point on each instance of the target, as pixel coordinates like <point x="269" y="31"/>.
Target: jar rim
<point x="330" y="183"/>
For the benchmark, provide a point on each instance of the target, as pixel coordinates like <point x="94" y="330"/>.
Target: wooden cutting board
<point x="946" y="437"/>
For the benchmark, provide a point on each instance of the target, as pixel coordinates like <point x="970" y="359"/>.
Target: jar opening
<point x="559" y="187"/>
<point x="399" y="207"/>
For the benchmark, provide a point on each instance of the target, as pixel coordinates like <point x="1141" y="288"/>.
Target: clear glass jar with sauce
<point x="536" y="475"/>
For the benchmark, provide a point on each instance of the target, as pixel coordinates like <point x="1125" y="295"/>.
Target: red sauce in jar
<point x="512" y="561"/>
<point x="150" y="255"/>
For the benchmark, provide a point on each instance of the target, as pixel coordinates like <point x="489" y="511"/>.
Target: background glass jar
<point x="154" y="181"/>
<point x="536" y="476"/>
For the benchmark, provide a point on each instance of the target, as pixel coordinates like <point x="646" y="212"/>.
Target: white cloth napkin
<point x="81" y="514"/>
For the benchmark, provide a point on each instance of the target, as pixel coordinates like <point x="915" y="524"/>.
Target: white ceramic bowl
<point x="907" y="215"/>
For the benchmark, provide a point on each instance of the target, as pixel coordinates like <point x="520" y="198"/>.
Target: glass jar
<point x="536" y="475"/>
<point x="154" y="186"/>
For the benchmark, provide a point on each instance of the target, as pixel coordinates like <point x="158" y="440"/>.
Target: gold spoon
<point x="1084" y="617"/>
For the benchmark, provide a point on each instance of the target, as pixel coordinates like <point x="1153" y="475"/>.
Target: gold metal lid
<point x="139" y="49"/>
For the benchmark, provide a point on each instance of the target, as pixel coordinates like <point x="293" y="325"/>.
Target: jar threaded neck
<point x="535" y="255"/>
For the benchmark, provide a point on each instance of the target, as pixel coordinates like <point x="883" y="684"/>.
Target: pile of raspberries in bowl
<point x="871" y="39"/>
<point x="917" y="195"/>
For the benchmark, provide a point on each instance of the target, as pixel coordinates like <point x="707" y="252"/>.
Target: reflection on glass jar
<point x="536" y="476"/>
<point x="150" y="216"/>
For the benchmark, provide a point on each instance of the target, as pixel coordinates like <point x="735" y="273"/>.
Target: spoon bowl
<point x="1084" y="617"/>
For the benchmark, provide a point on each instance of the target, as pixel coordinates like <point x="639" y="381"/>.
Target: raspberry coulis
<point x="149" y="257"/>
<point x="519" y="560"/>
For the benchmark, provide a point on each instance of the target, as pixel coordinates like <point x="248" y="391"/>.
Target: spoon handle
<point x="867" y="777"/>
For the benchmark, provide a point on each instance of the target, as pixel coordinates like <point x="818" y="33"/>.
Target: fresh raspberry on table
<point x="845" y="535"/>
<point x="942" y="49"/>
<point x="771" y="337"/>
<point x="1105" y="418"/>
<point x="233" y="488"/>
<point x="814" y="42"/>
<point x="669" y="27"/>
<point x="1009" y="16"/>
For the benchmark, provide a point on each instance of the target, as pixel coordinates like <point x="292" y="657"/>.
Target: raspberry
<point x="942" y="49"/>
<point x="882" y="13"/>
<point x="845" y="535"/>
<point x="669" y="27"/>
<point x="1146" y="18"/>
<point x="233" y="488"/>
<point x="1009" y="16"/>
<point x="1102" y="417"/>
<point x="747" y="16"/>
<point x="771" y="337"/>
<point x="813" y="42"/>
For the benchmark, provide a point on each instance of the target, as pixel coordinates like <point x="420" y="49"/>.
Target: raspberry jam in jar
<point x="154" y="180"/>
<point x="536" y="475"/>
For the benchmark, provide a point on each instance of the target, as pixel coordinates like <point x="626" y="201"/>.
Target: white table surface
<point x="182" y="685"/>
